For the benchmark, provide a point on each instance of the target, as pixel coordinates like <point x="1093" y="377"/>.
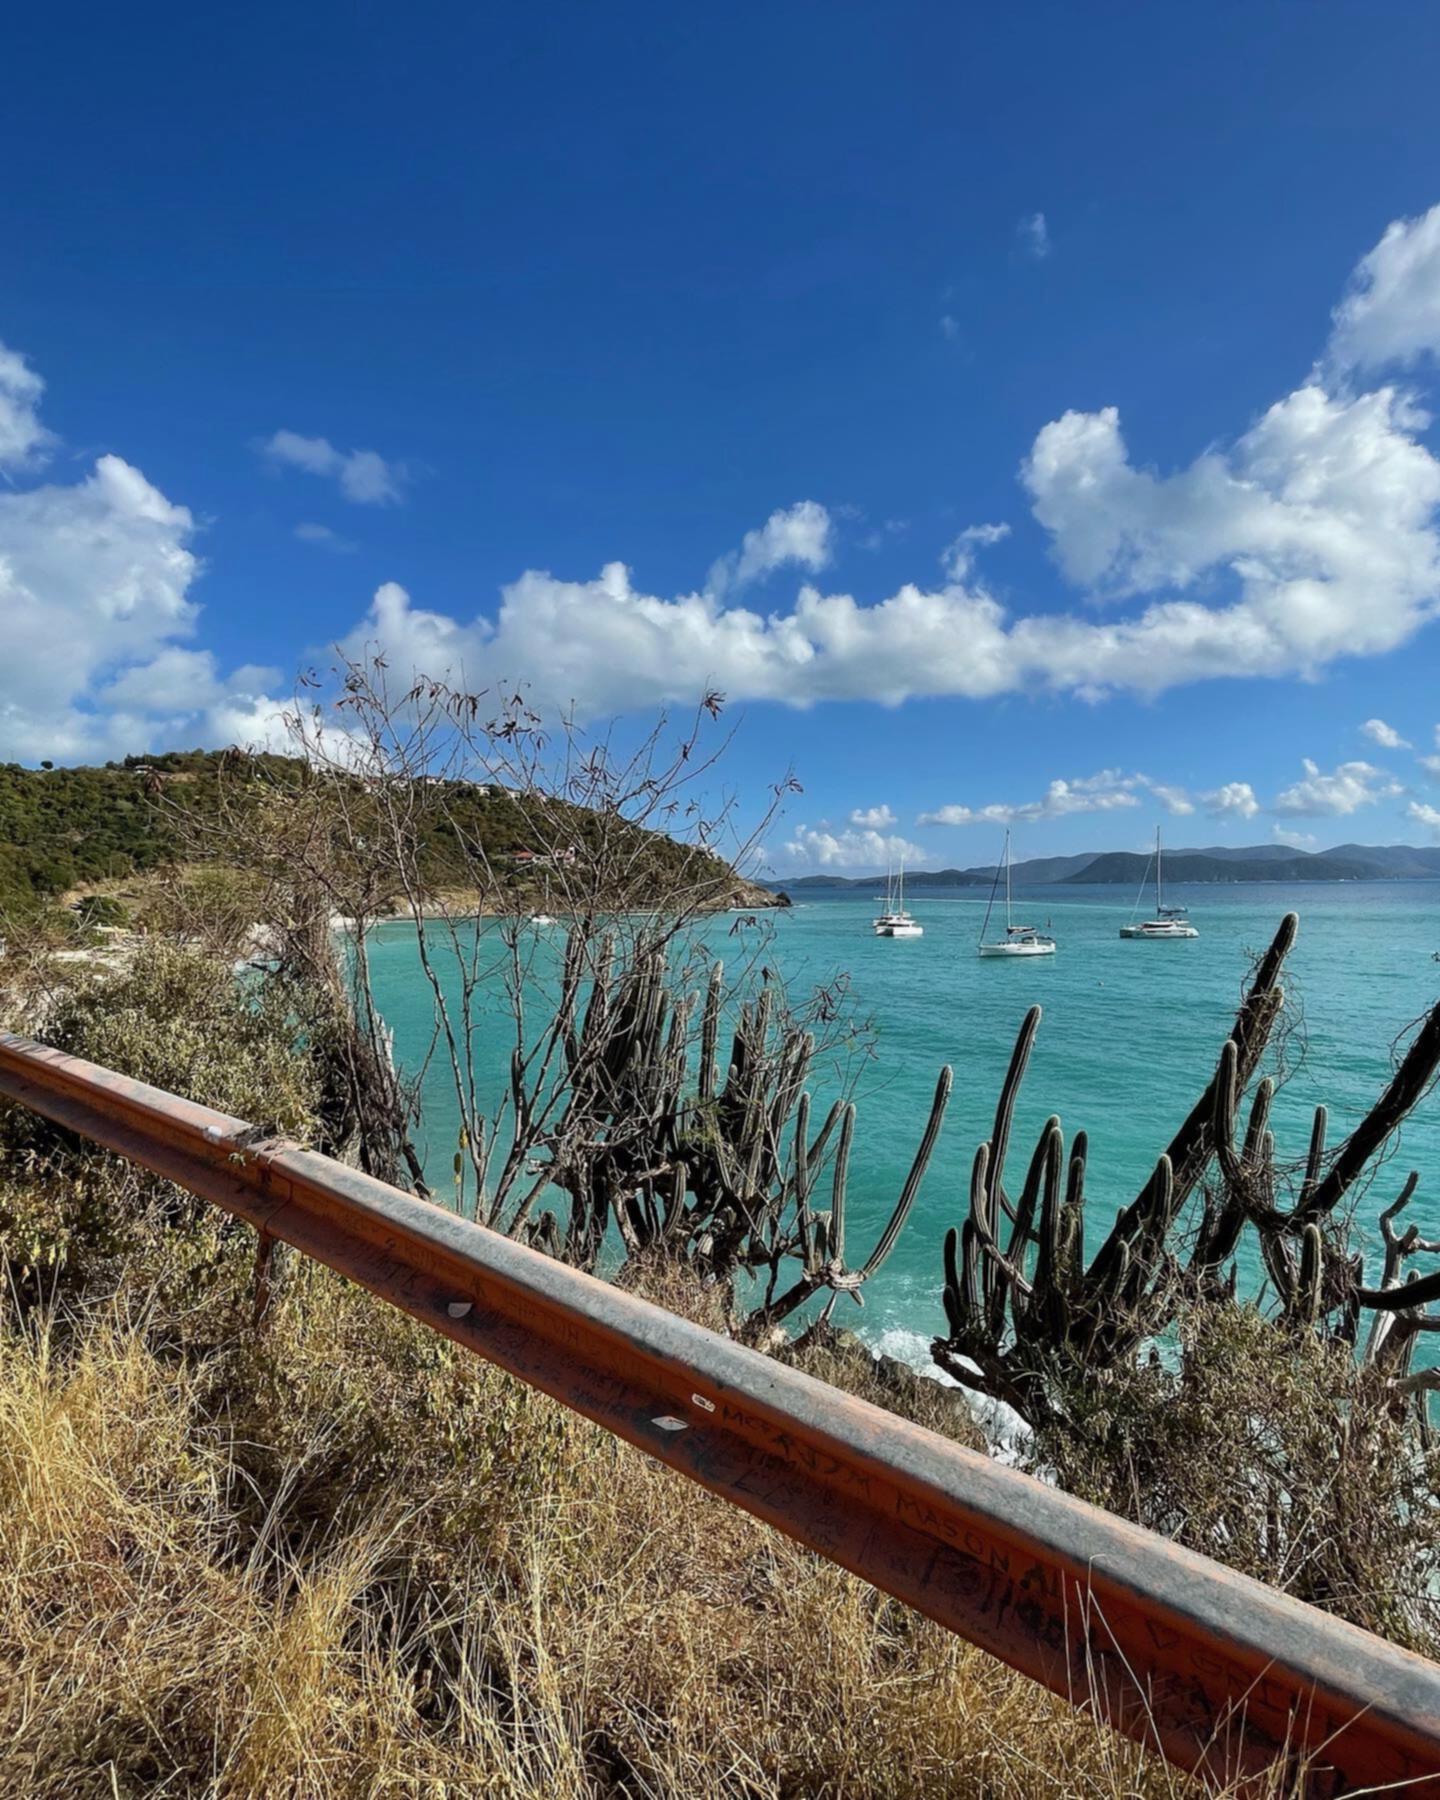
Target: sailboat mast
<point x="990" y="903"/>
<point x="1007" y="881"/>
<point x="1159" y="892"/>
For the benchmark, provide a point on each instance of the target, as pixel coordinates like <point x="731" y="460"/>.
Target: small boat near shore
<point x="544" y="916"/>
<point x="1019" y="940"/>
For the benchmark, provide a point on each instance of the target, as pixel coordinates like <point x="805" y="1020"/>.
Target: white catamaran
<point x="1019" y="940"/>
<point x="894" y="921"/>
<point x="1169" y="921"/>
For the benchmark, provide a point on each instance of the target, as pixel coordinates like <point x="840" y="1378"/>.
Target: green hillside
<point x="66" y="828"/>
<point x="61" y="828"/>
<point x="1127" y="866"/>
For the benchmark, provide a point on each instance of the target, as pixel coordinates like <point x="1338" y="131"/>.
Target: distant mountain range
<point x="1253" y="862"/>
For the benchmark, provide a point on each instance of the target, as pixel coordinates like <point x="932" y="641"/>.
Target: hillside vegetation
<point x="68" y="828"/>
<point x="1128" y="869"/>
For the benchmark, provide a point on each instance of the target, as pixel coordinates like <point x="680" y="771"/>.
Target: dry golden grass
<point x="339" y="1557"/>
<point x="349" y="1560"/>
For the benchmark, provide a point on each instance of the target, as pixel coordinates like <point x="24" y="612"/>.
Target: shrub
<point x="100" y="909"/>
<point x="69" y="1212"/>
<point x="1272" y="1450"/>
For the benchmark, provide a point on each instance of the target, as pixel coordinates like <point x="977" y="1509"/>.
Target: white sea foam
<point x="1005" y="1431"/>
<point x="909" y="1347"/>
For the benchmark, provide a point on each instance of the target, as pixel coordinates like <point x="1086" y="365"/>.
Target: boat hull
<point x="1017" y="950"/>
<point x="899" y="931"/>
<point x="1160" y="933"/>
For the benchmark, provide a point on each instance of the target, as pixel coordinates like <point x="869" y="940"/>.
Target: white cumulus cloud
<point x="1320" y="523"/>
<point x="1105" y="792"/>
<point x="1310" y="539"/>
<point x="24" y="441"/>
<point x="1343" y="790"/>
<point x="1385" y="735"/>
<point x="799" y="535"/>
<point x="364" y="476"/>
<point x="821" y="847"/>
<point x="1232" y="800"/>
<point x="958" y="557"/>
<point x="873" y="818"/>
<point x="1175" y="800"/>
<point x="1391" y="313"/>
<point x="94" y="576"/>
<point x="608" y="646"/>
<point x="97" y="608"/>
<point x="1316" y="532"/>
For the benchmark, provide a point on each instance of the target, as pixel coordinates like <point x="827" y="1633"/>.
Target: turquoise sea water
<point x="1130" y="1034"/>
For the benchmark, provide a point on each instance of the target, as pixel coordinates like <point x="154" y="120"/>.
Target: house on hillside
<point x="545" y="859"/>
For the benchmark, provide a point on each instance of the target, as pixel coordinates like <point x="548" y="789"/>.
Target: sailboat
<point x="1019" y="940"/>
<point x="544" y="916"/>
<point x="1169" y="921"/>
<point x="894" y="921"/>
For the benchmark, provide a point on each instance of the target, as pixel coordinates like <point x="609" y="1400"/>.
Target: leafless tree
<point x="561" y="889"/>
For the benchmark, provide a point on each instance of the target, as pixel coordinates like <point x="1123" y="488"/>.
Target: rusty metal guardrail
<point x="1220" y="1672"/>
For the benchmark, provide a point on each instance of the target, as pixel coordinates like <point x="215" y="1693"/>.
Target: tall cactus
<point x="820" y="1237"/>
<point x="1021" y="1306"/>
<point x="717" y="1163"/>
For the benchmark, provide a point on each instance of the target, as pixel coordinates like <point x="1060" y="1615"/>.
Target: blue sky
<point x="476" y="310"/>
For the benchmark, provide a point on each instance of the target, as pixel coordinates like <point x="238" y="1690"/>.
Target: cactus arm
<point x="1072" y="1244"/>
<point x="952" y="1290"/>
<point x="1312" y="1269"/>
<point x="1281" y="1267"/>
<point x="1189" y="1150"/>
<point x="1259" y="1117"/>
<point x="1406" y="1086"/>
<point x="1419" y="1290"/>
<point x="1313" y="1159"/>
<point x="917" y="1174"/>
<point x="840" y="1183"/>
<point x="1020" y="1234"/>
<point x="802" y="1187"/>
<point x="996" y="1263"/>
<point x="1005" y="1107"/>
<point x="1048" y="1244"/>
<point x="969" y="1244"/>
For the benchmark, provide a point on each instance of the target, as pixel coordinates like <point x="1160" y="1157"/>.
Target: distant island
<point x="1255" y="862"/>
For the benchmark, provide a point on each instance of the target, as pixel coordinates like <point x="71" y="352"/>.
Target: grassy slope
<point x="356" y="1561"/>
<point x="334" y="1555"/>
